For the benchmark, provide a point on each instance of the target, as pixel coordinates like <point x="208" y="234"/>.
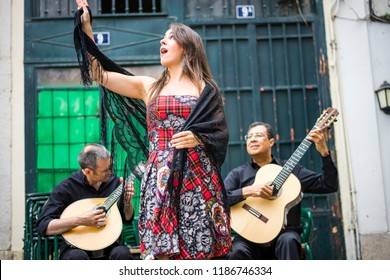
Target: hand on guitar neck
<point x="128" y="194"/>
<point x="129" y="190"/>
<point x="319" y="138"/>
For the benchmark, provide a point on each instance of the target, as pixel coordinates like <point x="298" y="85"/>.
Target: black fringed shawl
<point x="127" y="114"/>
<point x="206" y="121"/>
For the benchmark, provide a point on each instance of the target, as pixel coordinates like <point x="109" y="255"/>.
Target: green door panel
<point x="67" y="119"/>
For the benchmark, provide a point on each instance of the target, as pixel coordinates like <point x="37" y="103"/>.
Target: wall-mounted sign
<point x="245" y="11"/>
<point x="101" y="38"/>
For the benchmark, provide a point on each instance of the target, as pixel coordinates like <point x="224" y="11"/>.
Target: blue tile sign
<point x="245" y="11"/>
<point x="101" y="38"/>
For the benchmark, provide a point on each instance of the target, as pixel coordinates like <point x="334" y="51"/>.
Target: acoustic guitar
<point x="91" y="238"/>
<point x="260" y="220"/>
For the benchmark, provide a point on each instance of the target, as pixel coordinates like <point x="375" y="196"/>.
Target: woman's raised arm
<point x="130" y="86"/>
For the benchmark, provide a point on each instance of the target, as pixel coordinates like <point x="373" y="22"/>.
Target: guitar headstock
<point x="327" y="118"/>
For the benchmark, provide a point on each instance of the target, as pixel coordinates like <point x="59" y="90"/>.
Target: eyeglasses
<point x="254" y="136"/>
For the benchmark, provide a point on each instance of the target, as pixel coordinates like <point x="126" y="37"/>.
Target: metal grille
<point x="35" y="246"/>
<point x="66" y="8"/>
<point x="228" y="9"/>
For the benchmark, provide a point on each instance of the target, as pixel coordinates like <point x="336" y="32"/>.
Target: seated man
<point x="94" y="180"/>
<point x="240" y="184"/>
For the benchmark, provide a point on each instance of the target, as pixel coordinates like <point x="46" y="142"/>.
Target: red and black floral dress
<point x="198" y="226"/>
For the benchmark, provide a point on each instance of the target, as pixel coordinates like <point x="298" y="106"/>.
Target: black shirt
<point x="74" y="188"/>
<point x="311" y="182"/>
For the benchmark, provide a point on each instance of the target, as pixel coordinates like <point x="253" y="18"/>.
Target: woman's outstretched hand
<point x="83" y="4"/>
<point x="85" y="17"/>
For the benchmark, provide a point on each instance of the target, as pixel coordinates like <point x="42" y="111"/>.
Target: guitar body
<point x="91" y="238"/>
<point x="263" y="230"/>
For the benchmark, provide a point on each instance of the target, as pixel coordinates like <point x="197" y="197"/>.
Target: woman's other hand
<point x="184" y="139"/>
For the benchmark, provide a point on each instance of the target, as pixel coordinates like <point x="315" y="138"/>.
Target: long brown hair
<point x="195" y="64"/>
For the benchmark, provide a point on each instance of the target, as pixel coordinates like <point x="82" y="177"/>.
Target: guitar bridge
<point x="255" y="213"/>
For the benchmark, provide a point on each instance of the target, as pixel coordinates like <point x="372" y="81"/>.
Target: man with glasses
<point x="240" y="184"/>
<point x="94" y="179"/>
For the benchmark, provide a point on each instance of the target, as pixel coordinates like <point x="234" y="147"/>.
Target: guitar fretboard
<point x="291" y="163"/>
<point x="116" y="194"/>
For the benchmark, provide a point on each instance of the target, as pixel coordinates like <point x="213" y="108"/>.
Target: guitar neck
<point x="291" y="163"/>
<point x="116" y="194"/>
<point x="113" y="197"/>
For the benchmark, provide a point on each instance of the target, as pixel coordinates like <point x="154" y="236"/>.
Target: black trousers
<point x="287" y="246"/>
<point x="114" y="252"/>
